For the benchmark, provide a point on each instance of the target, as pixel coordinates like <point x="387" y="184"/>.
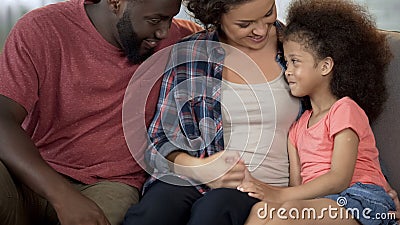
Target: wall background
<point x="385" y="12"/>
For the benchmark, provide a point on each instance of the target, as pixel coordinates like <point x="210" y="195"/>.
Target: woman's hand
<point x="222" y="169"/>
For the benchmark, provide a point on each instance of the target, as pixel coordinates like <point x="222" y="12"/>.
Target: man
<point x="63" y="74"/>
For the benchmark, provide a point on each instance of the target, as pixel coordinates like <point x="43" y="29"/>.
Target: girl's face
<point x="303" y="73"/>
<point x="249" y="25"/>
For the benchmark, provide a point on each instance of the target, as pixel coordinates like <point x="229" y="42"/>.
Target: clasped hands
<point x="226" y="169"/>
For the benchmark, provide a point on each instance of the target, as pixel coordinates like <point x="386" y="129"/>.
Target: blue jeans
<point x="368" y="203"/>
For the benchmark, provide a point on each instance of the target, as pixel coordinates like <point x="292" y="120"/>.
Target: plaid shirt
<point x="188" y="116"/>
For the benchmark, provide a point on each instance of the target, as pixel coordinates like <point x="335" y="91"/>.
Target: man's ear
<point x="326" y="66"/>
<point x="115" y="6"/>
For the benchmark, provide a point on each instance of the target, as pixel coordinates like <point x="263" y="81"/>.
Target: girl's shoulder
<point x="346" y="102"/>
<point x="347" y="109"/>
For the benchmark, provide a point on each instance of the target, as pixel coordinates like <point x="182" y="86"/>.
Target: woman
<point x="251" y="28"/>
<point x="210" y="100"/>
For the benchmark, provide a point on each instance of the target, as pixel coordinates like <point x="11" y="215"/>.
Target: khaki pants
<point x="21" y="206"/>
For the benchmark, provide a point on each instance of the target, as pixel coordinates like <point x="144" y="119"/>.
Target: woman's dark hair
<point x="347" y="33"/>
<point x="209" y="12"/>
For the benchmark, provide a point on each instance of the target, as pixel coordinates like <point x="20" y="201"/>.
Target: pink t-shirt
<point x="315" y="144"/>
<point x="72" y="82"/>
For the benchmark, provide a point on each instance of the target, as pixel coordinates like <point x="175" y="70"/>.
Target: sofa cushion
<point x="387" y="127"/>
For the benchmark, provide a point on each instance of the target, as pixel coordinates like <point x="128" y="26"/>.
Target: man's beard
<point x="130" y="41"/>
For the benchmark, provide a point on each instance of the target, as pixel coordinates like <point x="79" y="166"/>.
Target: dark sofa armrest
<point x="387" y="127"/>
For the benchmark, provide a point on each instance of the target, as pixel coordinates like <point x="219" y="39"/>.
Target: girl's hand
<point x="253" y="189"/>
<point x="395" y="198"/>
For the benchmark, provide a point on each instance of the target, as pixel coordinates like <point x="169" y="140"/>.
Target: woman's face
<point x="248" y="25"/>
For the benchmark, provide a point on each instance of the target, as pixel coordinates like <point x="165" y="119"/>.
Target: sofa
<point x="387" y="127"/>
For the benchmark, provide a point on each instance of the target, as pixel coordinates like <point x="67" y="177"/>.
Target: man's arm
<point x="22" y="158"/>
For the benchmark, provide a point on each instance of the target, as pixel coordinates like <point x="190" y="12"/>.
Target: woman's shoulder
<point x="203" y="35"/>
<point x="199" y="46"/>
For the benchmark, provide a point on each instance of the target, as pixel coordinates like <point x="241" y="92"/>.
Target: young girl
<point x="336" y="58"/>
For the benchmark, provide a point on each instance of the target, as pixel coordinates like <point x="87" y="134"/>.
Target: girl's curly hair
<point x="209" y="12"/>
<point x="346" y="32"/>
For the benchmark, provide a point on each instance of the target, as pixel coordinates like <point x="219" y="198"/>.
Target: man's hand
<point x="74" y="208"/>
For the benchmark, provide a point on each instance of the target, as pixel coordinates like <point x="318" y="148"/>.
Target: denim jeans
<point x="368" y="203"/>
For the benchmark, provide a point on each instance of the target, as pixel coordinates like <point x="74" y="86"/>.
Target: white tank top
<point x="256" y="121"/>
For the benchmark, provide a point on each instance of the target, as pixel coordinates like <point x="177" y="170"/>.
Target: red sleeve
<point x="347" y="114"/>
<point x="19" y="63"/>
<point x="187" y="27"/>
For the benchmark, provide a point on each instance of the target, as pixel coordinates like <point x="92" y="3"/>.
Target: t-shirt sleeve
<point x="187" y="27"/>
<point x="18" y="63"/>
<point x="347" y="114"/>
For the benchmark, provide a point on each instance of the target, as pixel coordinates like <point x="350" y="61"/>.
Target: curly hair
<point x="209" y="12"/>
<point x="346" y="32"/>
